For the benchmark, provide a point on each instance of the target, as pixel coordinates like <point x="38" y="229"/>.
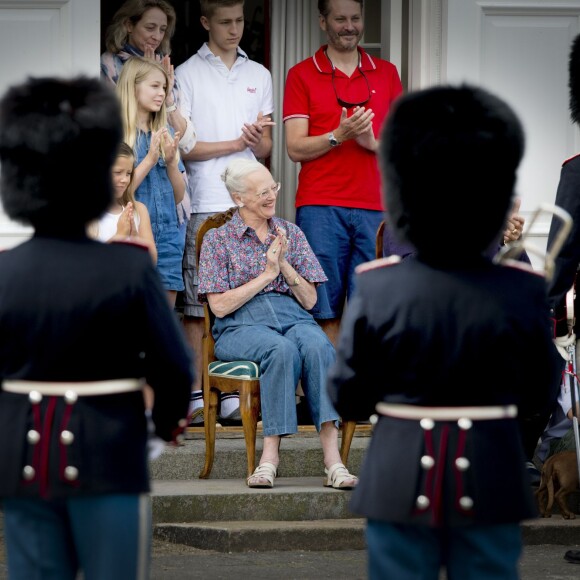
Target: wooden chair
<point x="228" y="377"/>
<point x="379" y="240"/>
<point x="218" y="377"/>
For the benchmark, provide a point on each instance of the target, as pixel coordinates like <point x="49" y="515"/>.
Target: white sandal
<point x="338" y="477"/>
<point x="263" y="476"/>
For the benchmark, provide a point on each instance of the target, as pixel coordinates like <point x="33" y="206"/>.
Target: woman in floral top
<point x="259" y="275"/>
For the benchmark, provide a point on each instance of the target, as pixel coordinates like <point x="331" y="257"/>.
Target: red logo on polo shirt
<point x="251" y="89"/>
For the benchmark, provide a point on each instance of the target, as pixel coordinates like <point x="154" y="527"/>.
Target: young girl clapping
<point x="125" y="217"/>
<point x="158" y="175"/>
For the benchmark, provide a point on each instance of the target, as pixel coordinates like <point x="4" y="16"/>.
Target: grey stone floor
<point x="544" y="562"/>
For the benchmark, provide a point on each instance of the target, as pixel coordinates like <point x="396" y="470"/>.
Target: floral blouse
<point x="232" y="255"/>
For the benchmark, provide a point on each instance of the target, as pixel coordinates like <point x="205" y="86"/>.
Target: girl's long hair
<point x="125" y="150"/>
<point x="135" y="71"/>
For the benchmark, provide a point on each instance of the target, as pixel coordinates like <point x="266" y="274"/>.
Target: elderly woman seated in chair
<point x="259" y="276"/>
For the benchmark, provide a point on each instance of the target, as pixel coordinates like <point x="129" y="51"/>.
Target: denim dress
<point x="156" y="192"/>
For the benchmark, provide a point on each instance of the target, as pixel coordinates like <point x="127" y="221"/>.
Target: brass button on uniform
<point x="422" y="502"/>
<point x="466" y="502"/>
<point x="34" y="397"/>
<point x="71" y="473"/>
<point x="70" y="397"/>
<point x="66" y="437"/>
<point x="28" y="472"/>
<point x="464" y="423"/>
<point x="33" y="437"/>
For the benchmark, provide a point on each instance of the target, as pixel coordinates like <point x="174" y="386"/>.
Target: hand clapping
<point x="276" y="254"/>
<point x="252" y="133"/>
<point x="125" y="222"/>
<point x="170" y="146"/>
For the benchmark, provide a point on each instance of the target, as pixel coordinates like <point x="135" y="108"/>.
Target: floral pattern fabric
<point x="232" y="255"/>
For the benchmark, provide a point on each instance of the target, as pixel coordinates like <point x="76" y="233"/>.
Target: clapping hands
<point x="276" y="254"/>
<point x="162" y="140"/>
<point x="126" y="224"/>
<point x="252" y="133"/>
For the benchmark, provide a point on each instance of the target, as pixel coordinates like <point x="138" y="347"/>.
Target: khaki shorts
<point x="192" y="306"/>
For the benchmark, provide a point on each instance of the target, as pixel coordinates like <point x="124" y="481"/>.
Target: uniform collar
<point x="322" y="63"/>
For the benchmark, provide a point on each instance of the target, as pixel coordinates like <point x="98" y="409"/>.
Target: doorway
<point x="190" y="34"/>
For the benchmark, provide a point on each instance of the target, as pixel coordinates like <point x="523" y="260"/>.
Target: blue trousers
<point x="275" y="332"/>
<point x="408" y="552"/>
<point x="342" y="238"/>
<point x="105" y="536"/>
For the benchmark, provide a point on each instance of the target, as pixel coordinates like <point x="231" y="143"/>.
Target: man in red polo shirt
<point x="334" y="105"/>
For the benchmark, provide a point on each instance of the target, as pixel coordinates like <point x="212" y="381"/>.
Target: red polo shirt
<point x="348" y="175"/>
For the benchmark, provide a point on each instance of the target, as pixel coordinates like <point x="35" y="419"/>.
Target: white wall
<point x="519" y="50"/>
<point x="41" y="38"/>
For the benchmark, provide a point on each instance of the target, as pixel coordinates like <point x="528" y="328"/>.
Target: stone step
<point x="554" y="530"/>
<point x="292" y="499"/>
<point x="300" y="455"/>
<point x="297" y="514"/>
<point x="323" y="535"/>
<point x="264" y="536"/>
<point x="223" y="514"/>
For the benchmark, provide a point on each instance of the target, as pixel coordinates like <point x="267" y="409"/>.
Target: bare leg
<point x="329" y="441"/>
<point x="331" y="327"/>
<point x="271" y="450"/>
<point x="270" y="454"/>
<point x="171" y="296"/>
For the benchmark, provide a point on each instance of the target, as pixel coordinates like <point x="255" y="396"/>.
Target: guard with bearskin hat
<point x="563" y="291"/>
<point x="447" y="347"/>
<point x="83" y="325"/>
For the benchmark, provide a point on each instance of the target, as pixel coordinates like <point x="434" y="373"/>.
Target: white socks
<point x="195" y="401"/>
<point x="229" y="403"/>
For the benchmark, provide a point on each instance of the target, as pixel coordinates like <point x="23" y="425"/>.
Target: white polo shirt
<point x="219" y="101"/>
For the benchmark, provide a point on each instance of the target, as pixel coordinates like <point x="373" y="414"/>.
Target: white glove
<point x="563" y="342"/>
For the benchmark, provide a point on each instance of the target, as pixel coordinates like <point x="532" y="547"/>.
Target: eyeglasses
<point x="272" y="190"/>
<point x="347" y="104"/>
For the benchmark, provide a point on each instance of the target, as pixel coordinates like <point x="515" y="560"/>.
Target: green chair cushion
<point x="238" y="369"/>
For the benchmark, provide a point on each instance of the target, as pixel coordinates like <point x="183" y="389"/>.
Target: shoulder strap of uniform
<point x="378" y="263"/>
<point x="570" y="159"/>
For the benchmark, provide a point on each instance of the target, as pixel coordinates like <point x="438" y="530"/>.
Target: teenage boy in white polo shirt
<point x="229" y="99"/>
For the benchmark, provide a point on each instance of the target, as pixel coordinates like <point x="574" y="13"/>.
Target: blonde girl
<point x="159" y="174"/>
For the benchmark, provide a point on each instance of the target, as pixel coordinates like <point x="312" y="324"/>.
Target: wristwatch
<point x="334" y="142"/>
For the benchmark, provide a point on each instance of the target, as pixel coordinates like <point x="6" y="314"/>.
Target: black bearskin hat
<point x="58" y="139"/>
<point x="574" y="80"/>
<point x="445" y="151"/>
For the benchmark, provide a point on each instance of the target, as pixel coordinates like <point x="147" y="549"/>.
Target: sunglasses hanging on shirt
<point x="341" y="102"/>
